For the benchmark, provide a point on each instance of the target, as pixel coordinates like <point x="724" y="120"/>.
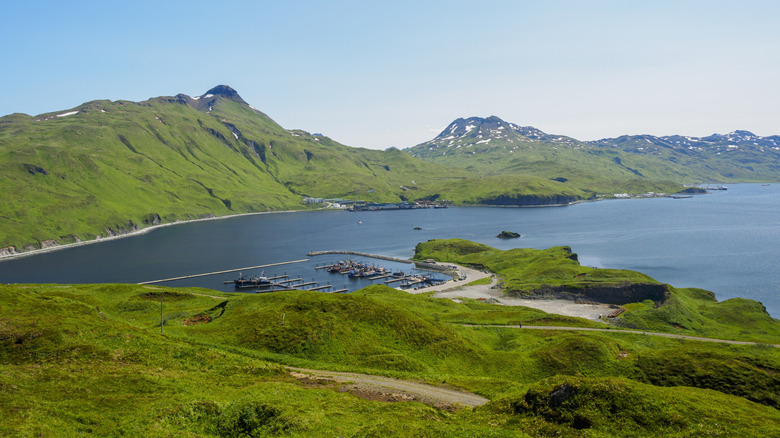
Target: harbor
<point x="261" y="283"/>
<point x="404" y="280"/>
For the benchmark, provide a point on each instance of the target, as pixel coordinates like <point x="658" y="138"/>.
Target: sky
<point x="381" y="74"/>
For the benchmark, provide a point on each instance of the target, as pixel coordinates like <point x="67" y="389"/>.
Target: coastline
<point x="58" y="247"/>
<point x="4" y="258"/>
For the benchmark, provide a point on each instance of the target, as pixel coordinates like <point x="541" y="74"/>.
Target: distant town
<point x="358" y="205"/>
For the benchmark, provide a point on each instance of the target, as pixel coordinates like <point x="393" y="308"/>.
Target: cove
<point x="727" y="242"/>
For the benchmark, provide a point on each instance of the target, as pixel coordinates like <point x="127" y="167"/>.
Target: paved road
<point x="637" y="332"/>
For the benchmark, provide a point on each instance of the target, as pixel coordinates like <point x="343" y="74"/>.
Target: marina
<point x="357" y="269"/>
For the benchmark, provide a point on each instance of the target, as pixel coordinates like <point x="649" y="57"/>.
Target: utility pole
<point x="161" y="315"/>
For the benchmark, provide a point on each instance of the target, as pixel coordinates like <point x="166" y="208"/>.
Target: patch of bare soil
<point x="385" y="389"/>
<point x="197" y="319"/>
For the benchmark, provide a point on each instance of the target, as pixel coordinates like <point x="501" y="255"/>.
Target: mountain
<point x="494" y="146"/>
<point x="106" y="168"/>
<point x="739" y="156"/>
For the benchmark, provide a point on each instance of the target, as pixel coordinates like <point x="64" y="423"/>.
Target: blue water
<point x="727" y="242"/>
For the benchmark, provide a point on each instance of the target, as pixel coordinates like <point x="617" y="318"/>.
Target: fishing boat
<point x="252" y="282"/>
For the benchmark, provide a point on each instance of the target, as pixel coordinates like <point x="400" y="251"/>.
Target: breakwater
<point x="447" y="269"/>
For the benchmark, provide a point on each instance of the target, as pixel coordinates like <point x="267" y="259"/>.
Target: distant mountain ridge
<point x="494" y="145"/>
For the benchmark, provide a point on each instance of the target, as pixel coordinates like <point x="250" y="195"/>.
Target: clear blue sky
<point x="394" y="73"/>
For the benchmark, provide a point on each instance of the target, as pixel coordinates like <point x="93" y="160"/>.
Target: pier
<point x="405" y="277"/>
<point x="424" y="265"/>
<point x="223" y="272"/>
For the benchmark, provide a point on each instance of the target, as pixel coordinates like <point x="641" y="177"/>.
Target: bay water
<point x="727" y="242"/>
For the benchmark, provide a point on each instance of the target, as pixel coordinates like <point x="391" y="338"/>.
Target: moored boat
<point x="252" y="282"/>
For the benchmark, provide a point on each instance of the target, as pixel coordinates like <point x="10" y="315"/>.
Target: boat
<point x="252" y="282"/>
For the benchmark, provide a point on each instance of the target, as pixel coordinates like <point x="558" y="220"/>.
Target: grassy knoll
<point x="90" y="360"/>
<point x="525" y="271"/>
<point x="655" y="307"/>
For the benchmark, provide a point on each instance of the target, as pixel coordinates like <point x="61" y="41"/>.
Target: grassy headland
<point x="649" y="305"/>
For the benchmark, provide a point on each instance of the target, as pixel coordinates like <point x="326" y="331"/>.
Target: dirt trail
<point x="636" y="332"/>
<point x="388" y="389"/>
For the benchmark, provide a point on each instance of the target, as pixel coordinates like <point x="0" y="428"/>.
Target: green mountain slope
<point x="739" y="156"/>
<point x="494" y="146"/>
<point x="110" y="167"/>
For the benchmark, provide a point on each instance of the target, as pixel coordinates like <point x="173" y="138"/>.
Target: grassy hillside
<point x="633" y="164"/>
<point x="739" y="156"/>
<point x="90" y="360"/>
<point x="105" y="168"/>
<point x="494" y="147"/>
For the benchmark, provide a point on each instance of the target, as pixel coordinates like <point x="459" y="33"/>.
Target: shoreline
<point x="4" y="258"/>
<point x="455" y="291"/>
<point x="58" y="247"/>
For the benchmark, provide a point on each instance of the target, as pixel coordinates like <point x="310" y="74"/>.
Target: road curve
<point x="421" y="392"/>
<point x="636" y="332"/>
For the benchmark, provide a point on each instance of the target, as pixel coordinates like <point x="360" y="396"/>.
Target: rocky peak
<point x="223" y="91"/>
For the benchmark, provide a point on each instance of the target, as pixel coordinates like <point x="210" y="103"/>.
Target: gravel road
<point x="385" y="388"/>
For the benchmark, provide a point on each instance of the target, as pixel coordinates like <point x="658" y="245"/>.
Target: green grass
<point x="90" y="360"/>
<point x="655" y="307"/>
<point x="481" y="281"/>
<point x="620" y="407"/>
<point x="525" y="270"/>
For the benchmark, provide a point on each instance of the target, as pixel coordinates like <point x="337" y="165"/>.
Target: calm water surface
<point x="727" y="242"/>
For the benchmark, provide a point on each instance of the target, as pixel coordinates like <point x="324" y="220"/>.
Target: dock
<point x="183" y="277"/>
<point x="405" y="277"/>
<point x="303" y="284"/>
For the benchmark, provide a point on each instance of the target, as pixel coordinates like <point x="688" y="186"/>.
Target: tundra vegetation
<point x="91" y="359"/>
